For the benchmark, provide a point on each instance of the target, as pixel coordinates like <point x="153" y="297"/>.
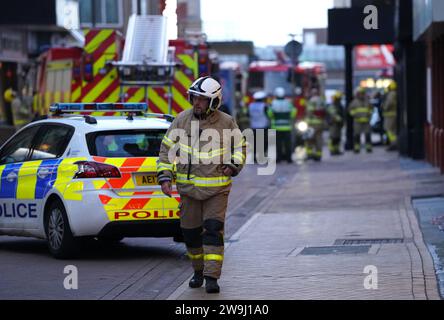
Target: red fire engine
<point x="267" y="75"/>
<point x="89" y="74"/>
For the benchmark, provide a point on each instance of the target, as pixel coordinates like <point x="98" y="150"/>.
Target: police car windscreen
<point x="131" y="143"/>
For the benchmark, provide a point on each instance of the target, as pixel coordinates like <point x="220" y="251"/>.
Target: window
<point x="52" y="142"/>
<point x="50" y="81"/>
<point x="256" y="80"/>
<point x="276" y="79"/>
<point x="18" y="148"/>
<point x="100" y="13"/>
<point x="130" y="143"/>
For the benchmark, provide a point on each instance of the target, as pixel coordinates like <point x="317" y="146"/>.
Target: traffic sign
<point x="293" y="50"/>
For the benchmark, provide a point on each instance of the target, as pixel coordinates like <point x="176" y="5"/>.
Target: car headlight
<point x="302" y="126"/>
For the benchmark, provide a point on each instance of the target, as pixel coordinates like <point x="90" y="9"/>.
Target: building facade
<point x="428" y="32"/>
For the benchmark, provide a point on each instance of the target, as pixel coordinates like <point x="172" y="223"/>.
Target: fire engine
<point x="92" y="74"/>
<point x="267" y="75"/>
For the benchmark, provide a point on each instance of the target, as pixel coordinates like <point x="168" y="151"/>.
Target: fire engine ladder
<point x="147" y="61"/>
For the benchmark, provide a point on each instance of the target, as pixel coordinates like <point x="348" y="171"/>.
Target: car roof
<point x="109" y="123"/>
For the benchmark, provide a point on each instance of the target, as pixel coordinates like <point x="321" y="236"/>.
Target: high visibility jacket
<point x="336" y="114"/>
<point x="258" y="115"/>
<point x="390" y="104"/>
<point x="360" y="110"/>
<point x="316" y="113"/>
<point x="199" y="154"/>
<point x="282" y="114"/>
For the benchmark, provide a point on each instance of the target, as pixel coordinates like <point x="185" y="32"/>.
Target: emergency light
<point x="59" y="108"/>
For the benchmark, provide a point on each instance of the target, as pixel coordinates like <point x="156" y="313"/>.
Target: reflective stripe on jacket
<point x="360" y="110"/>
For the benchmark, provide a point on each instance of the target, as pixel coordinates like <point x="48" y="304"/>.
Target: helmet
<point x="259" y="95"/>
<point x="207" y="87"/>
<point x="9" y="94"/>
<point x="337" y="95"/>
<point x="279" y="92"/>
<point x="392" y="86"/>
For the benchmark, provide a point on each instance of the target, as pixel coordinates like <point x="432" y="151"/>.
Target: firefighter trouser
<point x="314" y="144"/>
<point x="335" y="138"/>
<point x="283" y="146"/>
<point x="202" y="223"/>
<point x="260" y="145"/>
<point x="390" y="128"/>
<point x="360" y="128"/>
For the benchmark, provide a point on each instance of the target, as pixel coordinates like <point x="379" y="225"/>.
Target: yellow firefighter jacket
<point x="360" y="110"/>
<point x="199" y="150"/>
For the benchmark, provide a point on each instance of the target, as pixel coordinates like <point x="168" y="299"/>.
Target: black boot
<point x="197" y="280"/>
<point x="211" y="285"/>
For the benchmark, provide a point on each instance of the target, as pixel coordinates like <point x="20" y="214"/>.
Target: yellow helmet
<point x="359" y="90"/>
<point x="337" y="95"/>
<point x="392" y="86"/>
<point x="9" y="94"/>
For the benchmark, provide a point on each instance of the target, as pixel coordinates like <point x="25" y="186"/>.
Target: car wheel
<point x="61" y="242"/>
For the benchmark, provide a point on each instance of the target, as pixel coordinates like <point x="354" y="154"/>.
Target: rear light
<point x="89" y="169"/>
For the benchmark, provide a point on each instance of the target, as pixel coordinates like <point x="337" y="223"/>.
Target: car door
<point x="38" y="173"/>
<point x="15" y="215"/>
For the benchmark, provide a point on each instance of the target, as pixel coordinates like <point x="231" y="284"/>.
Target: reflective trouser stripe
<point x="214" y="257"/>
<point x="392" y="136"/>
<point x="195" y="256"/>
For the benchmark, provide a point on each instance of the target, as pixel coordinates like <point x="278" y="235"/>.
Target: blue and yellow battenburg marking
<point x="29" y="184"/>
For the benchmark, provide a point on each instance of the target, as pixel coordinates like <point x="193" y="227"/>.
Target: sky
<point x="261" y="21"/>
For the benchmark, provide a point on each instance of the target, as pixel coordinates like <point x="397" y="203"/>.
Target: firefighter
<point x="20" y="113"/>
<point x="336" y="122"/>
<point x="361" y="110"/>
<point x="389" y="111"/>
<point x="242" y="117"/>
<point x="315" y="118"/>
<point x="203" y="187"/>
<point x="258" y="113"/>
<point x="282" y="114"/>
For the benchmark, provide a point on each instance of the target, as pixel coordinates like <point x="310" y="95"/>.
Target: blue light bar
<point x="98" y="107"/>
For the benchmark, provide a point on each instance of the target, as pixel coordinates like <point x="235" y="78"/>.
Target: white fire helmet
<point x="279" y="92"/>
<point x="207" y="87"/>
<point x="259" y="95"/>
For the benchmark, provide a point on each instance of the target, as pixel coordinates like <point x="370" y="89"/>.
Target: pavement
<point x="341" y="229"/>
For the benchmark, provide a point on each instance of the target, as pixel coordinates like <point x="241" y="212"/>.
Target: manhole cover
<point x="335" y="250"/>
<point x="350" y="242"/>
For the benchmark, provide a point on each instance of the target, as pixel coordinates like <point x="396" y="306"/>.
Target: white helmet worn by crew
<point x="207" y="87"/>
<point x="279" y="92"/>
<point x="260" y="95"/>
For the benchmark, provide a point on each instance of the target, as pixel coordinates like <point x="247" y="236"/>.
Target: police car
<point x="82" y="173"/>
